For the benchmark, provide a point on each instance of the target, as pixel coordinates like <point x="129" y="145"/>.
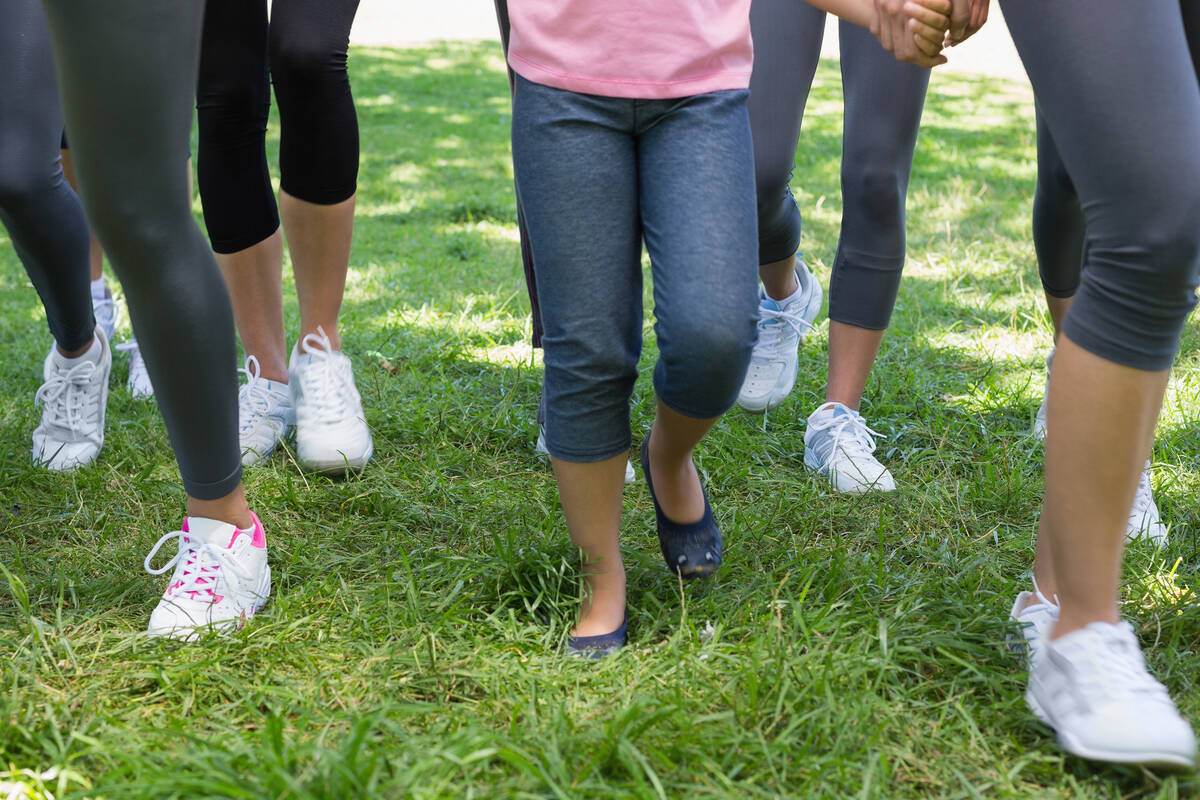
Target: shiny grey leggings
<point x="42" y="214"/>
<point x="1127" y="133"/>
<point x="127" y="70"/>
<point x="1058" y="226"/>
<point x="883" y="103"/>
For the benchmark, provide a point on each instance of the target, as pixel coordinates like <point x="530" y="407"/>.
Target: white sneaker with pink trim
<point x="221" y="578"/>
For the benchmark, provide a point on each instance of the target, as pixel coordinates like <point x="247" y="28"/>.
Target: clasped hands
<point x="915" y="31"/>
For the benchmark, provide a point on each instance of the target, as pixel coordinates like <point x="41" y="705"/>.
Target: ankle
<point x="1077" y="620"/>
<point x="602" y="607"/>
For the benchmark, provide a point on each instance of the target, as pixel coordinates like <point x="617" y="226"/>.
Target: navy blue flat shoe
<point x="692" y="550"/>
<point x="606" y="644"/>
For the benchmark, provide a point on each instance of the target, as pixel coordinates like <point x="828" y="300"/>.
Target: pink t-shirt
<point x="651" y="49"/>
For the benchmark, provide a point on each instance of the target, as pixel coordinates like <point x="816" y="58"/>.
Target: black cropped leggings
<point x="883" y="103"/>
<point x="303" y="52"/>
<point x="127" y="70"/>
<point x="1128" y="133"/>
<point x="1059" y="235"/>
<point x="38" y="207"/>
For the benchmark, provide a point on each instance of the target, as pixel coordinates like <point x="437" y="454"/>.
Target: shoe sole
<point x="341" y="466"/>
<point x="1146" y="758"/>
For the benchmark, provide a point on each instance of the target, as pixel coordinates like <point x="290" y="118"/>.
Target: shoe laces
<point x="324" y="382"/>
<point x="68" y="400"/>
<point x="774" y="325"/>
<point x="254" y="396"/>
<point x="850" y="433"/>
<point x="1117" y="668"/>
<point x="200" y="566"/>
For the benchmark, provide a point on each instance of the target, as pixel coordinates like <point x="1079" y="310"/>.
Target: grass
<point x="849" y="648"/>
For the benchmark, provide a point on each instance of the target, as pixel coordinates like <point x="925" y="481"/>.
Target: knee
<point x="874" y="188"/>
<point x="21" y="182"/>
<point x="703" y="364"/>
<point x="304" y="58"/>
<point x="232" y="111"/>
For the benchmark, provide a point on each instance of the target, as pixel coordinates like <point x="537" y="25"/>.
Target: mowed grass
<point x="849" y="647"/>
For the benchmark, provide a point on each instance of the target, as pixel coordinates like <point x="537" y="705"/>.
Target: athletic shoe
<point x="331" y="431"/>
<point x="1091" y="686"/>
<point x="221" y="578"/>
<point x="782" y="327"/>
<point x="1039" y="419"/>
<point x="1035" y="622"/>
<point x="1144" y="520"/>
<point x="839" y="445"/>
<point x="265" y="414"/>
<point x="106" y="311"/>
<point x="139" y="384"/>
<point x="540" y="449"/>
<point x="73" y="399"/>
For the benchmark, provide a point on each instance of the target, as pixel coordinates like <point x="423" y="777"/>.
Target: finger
<point x="928" y="40"/>
<point x="960" y="17"/>
<point x="927" y="16"/>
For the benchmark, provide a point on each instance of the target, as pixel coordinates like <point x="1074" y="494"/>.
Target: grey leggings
<point x="37" y="206"/>
<point x="128" y="76"/>
<point x="1127" y="131"/>
<point x="1059" y="233"/>
<point x="883" y="102"/>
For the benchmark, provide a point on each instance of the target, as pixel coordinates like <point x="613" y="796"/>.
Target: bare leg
<point x="254" y="277"/>
<point x="779" y="278"/>
<point x="231" y="508"/>
<point x="591" y="500"/>
<point x="1103" y="416"/>
<point x="852" y="352"/>
<point x="676" y="482"/>
<point x="1058" y="307"/>
<point x="319" y="241"/>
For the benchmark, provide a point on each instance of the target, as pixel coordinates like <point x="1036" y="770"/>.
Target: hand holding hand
<point x="914" y="31"/>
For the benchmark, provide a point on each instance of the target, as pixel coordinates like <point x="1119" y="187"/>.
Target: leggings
<point x="303" y="51"/>
<point x="1127" y="133"/>
<point x="42" y="214"/>
<point x="129" y="121"/>
<point x="1058" y="227"/>
<point x="876" y="157"/>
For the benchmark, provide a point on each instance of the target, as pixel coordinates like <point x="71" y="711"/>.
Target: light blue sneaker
<point x="782" y="328"/>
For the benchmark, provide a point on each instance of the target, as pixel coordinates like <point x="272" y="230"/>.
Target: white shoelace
<point x="850" y="433"/>
<point x="324" y="384"/>
<point x="254" y="398"/>
<point x="203" y="562"/>
<point x="773" y="325"/>
<point x="1119" y="669"/>
<point x="69" y="405"/>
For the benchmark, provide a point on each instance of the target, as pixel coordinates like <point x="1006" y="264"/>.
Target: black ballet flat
<point x="692" y="550"/>
<point x="606" y="644"/>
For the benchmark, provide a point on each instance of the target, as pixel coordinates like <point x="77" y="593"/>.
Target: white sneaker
<point x="331" y="431"/>
<point x="540" y="449"/>
<point x="1092" y="687"/>
<point x="782" y="327"/>
<point x="106" y="311"/>
<point x="1035" y="622"/>
<point x="221" y="578"/>
<point x="139" y="384"/>
<point x="839" y="445"/>
<point x="1144" y="520"/>
<point x="1039" y="419"/>
<point x="265" y="414"/>
<point x="73" y="399"/>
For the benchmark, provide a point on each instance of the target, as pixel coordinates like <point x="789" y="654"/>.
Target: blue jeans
<point x="597" y="176"/>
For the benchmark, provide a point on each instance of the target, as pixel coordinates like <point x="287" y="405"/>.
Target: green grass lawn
<point x="412" y="647"/>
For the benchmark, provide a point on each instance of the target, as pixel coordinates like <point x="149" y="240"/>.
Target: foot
<point x="265" y="414"/>
<point x="691" y="549"/>
<point x="1035" y="614"/>
<point x="331" y="430"/>
<point x="839" y="445"/>
<point x="1091" y="686"/>
<point x="782" y="328"/>
<point x="1144" y="520"/>
<point x="105" y="308"/>
<point x="539" y="447"/>
<point x="73" y="397"/>
<point x="1039" y="419"/>
<point x="139" y="379"/>
<point x="221" y="578"/>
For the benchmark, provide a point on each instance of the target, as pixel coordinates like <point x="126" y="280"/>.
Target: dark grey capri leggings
<point x="1058" y="227"/>
<point x="883" y="103"/>
<point x="42" y="214"/>
<point x="1128" y="134"/>
<point x="127" y="70"/>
